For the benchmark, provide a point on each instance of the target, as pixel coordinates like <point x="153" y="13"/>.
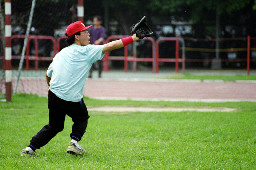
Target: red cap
<point x="76" y="27"/>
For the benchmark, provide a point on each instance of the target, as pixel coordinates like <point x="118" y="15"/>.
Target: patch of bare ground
<point x="126" y="109"/>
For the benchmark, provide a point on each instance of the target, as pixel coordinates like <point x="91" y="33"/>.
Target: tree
<point x="51" y="14"/>
<point x="48" y="15"/>
<point x="203" y="13"/>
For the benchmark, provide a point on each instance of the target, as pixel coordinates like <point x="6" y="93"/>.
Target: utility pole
<point x="216" y="63"/>
<point x="80" y="10"/>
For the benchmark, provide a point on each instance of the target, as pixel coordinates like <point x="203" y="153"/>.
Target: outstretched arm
<point x="119" y="43"/>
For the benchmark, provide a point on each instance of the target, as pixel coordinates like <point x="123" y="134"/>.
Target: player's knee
<point x="57" y="128"/>
<point x="60" y="128"/>
<point x="83" y="119"/>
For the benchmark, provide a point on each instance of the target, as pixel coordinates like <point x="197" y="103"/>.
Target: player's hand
<point x="134" y="37"/>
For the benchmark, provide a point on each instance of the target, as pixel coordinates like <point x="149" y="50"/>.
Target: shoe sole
<point x="72" y="153"/>
<point x="75" y="153"/>
<point x="27" y="155"/>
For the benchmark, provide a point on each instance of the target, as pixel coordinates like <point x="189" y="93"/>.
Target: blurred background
<point x="203" y="21"/>
<point x="188" y="34"/>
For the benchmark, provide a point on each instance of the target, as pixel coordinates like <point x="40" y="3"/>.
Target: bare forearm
<point x="112" y="46"/>
<point x="48" y="79"/>
<point x="116" y="44"/>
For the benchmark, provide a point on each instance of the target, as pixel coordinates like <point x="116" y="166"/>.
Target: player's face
<point x="84" y="38"/>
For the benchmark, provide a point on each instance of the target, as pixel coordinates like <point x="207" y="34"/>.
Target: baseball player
<point x="66" y="77"/>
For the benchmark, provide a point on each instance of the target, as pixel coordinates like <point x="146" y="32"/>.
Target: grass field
<point x="166" y="140"/>
<point x="211" y="77"/>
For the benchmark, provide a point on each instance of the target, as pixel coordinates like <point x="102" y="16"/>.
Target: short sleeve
<point x="95" y="52"/>
<point x="49" y="71"/>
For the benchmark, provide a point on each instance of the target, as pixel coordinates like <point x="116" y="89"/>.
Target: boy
<point x="66" y="77"/>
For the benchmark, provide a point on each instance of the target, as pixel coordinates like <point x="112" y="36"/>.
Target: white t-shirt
<point x="69" y="70"/>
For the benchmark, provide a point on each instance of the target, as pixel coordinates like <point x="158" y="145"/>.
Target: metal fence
<point x="183" y="52"/>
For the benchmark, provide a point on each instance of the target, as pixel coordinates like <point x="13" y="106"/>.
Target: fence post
<point x="107" y="61"/>
<point x="157" y="56"/>
<point x="36" y="53"/>
<point x="134" y="49"/>
<point x="27" y="53"/>
<point x="54" y="47"/>
<point x="248" y="54"/>
<point x="177" y="55"/>
<point x="183" y="53"/>
<point x="8" y="51"/>
<point x="126" y="58"/>
<point x="154" y="55"/>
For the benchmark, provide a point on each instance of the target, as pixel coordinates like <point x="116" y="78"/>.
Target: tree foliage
<point x="202" y="14"/>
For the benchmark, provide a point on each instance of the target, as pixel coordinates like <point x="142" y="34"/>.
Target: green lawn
<point x="167" y="140"/>
<point x="211" y="77"/>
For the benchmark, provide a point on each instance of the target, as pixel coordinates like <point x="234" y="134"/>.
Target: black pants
<point x="99" y="66"/>
<point x="58" y="109"/>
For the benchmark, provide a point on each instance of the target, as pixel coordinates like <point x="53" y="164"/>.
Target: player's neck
<point x="77" y="43"/>
<point x="97" y="26"/>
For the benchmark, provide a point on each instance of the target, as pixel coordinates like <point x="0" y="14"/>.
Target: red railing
<point x="152" y="59"/>
<point x="58" y="42"/>
<point x="213" y="49"/>
<point x="177" y="60"/>
<point x="107" y="58"/>
<point x="36" y="58"/>
<point x="248" y="54"/>
<point x="246" y="48"/>
<point x="155" y="59"/>
<point x="127" y="59"/>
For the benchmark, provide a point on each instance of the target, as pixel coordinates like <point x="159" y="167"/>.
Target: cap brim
<point x="86" y="28"/>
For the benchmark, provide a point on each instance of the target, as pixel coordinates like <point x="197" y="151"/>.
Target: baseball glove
<point x="141" y="29"/>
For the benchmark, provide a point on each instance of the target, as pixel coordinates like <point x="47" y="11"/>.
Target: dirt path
<point x="171" y="90"/>
<point x="155" y="90"/>
<point x="123" y="109"/>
